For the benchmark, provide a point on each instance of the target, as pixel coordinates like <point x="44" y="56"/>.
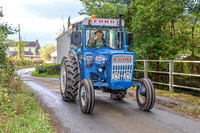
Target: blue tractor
<point x="98" y="59"/>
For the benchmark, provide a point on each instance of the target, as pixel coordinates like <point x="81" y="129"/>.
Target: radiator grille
<point x="122" y="67"/>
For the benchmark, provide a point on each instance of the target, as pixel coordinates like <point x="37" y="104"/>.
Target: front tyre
<point x="86" y="96"/>
<point x="146" y="100"/>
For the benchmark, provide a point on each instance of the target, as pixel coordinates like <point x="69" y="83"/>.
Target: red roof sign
<point x="101" y="21"/>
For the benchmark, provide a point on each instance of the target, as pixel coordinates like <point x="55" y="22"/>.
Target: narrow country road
<point x="109" y="116"/>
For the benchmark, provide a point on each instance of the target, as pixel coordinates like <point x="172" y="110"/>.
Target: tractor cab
<point x="102" y="32"/>
<point x="94" y="33"/>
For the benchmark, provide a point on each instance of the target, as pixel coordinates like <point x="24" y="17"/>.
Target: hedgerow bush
<point x="25" y="62"/>
<point x="48" y="68"/>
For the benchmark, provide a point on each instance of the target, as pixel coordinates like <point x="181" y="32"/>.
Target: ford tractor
<point x="99" y="59"/>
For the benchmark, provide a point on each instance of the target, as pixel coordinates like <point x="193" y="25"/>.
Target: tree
<point x="45" y="52"/>
<point x="102" y="9"/>
<point x="5" y="30"/>
<point x="19" y="47"/>
<point x="194" y="18"/>
<point x="2" y="49"/>
<point x="162" y="29"/>
<point x="153" y="25"/>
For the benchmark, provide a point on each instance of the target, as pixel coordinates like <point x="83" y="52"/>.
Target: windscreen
<point x="97" y="37"/>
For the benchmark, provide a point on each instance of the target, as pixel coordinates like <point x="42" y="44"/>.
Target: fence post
<point x="171" y="76"/>
<point x="145" y="69"/>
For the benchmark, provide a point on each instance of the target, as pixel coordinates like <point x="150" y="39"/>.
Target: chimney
<point x="36" y="41"/>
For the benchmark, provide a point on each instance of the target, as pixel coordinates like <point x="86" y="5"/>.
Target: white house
<point x="54" y="57"/>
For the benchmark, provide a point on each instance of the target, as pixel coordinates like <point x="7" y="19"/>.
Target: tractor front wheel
<point x="86" y="96"/>
<point x="146" y="99"/>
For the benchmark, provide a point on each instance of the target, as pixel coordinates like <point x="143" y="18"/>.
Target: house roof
<point x="14" y="53"/>
<point x="9" y="43"/>
<point x="29" y="43"/>
<point x="28" y="53"/>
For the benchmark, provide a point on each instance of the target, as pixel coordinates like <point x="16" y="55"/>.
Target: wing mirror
<point x="76" y="37"/>
<point x="129" y="38"/>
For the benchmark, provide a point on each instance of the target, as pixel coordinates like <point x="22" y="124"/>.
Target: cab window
<point x="97" y="37"/>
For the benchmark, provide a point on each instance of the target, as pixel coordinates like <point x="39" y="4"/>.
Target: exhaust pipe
<point x="120" y="32"/>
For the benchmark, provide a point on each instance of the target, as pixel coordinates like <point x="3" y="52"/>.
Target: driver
<point x="97" y="41"/>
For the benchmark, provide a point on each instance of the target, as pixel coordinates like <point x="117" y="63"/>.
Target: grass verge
<point x="190" y="105"/>
<point x="35" y="73"/>
<point x="179" y="96"/>
<point x="19" y="109"/>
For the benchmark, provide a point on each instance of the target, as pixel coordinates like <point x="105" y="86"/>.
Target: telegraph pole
<point x="19" y="33"/>
<point x="19" y="45"/>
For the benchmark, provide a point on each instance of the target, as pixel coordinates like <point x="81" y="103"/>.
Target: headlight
<point x="127" y="76"/>
<point x="100" y="59"/>
<point x="89" y="61"/>
<point x="116" y="76"/>
<point x="100" y="69"/>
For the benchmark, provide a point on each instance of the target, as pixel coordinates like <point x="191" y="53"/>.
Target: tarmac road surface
<point x="109" y="116"/>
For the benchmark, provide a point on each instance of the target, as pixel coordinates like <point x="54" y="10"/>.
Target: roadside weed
<point x="19" y="109"/>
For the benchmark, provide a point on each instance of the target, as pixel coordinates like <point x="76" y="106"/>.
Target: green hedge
<point x="49" y="68"/>
<point x="24" y="62"/>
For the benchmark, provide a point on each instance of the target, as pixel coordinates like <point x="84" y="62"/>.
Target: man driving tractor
<point x="97" y="41"/>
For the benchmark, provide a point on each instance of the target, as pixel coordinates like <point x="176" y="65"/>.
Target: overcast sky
<point x="40" y="19"/>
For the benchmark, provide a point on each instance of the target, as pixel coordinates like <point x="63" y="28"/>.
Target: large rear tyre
<point x="69" y="78"/>
<point x="146" y="100"/>
<point x="86" y="96"/>
<point x="119" y="95"/>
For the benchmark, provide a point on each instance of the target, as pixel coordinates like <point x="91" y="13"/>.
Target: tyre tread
<point x="150" y="95"/>
<point x="73" y="78"/>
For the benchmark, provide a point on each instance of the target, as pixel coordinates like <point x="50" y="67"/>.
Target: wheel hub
<point x="63" y="79"/>
<point x="83" y="96"/>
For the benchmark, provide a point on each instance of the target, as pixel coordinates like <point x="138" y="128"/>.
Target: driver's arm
<point x="93" y="39"/>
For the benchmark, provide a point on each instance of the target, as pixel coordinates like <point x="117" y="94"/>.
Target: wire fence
<point x="171" y="73"/>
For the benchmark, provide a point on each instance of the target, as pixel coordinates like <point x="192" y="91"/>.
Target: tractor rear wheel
<point x="86" y="96"/>
<point x="146" y="100"/>
<point x="118" y="95"/>
<point x="69" y="79"/>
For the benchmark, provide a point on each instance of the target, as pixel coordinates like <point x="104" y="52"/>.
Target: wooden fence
<point x="171" y="73"/>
